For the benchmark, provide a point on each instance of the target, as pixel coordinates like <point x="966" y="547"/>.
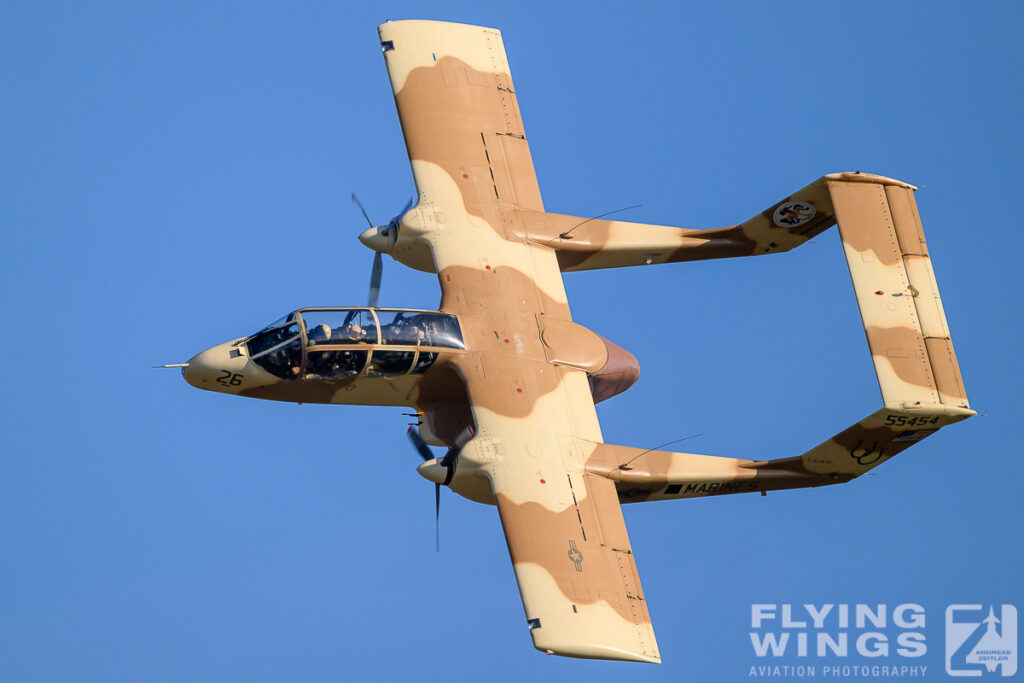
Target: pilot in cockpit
<point x="320" y="334"/>
<point x="350" y="332"/>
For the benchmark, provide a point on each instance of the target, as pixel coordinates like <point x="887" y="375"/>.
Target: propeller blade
<point x="393" y="223"/>
<point x="460" y="441"/>
<point x="424" y="450"/>
<point x="375" y="274"/>
<point x="360" y="205"/>
<point x="420" y="444"/>
<point x="451" y="458"/>
<point x="449" y="462"/>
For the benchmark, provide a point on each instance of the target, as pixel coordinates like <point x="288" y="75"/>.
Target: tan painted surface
<point x="525" y="369"/>
<point x="498" y="257"/>
<point x="529" y="375"/>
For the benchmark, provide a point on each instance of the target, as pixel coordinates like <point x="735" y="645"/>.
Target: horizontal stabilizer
<point x="904" y="322"/>
<point x="897" y="294"/>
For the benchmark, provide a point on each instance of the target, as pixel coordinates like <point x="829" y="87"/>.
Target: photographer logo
<point x="981" y="640"/>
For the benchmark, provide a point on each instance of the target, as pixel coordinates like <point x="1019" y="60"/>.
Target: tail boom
<point x="898" y="298"/>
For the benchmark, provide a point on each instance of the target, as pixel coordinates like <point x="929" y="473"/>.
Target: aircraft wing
<point x="571" y="554"/>
<point x="535" y="421"/>
<point x="460" y="116"/>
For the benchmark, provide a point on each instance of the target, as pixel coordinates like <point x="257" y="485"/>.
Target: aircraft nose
<point x="218" y="368"/>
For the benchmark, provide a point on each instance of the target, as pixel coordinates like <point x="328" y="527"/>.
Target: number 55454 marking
<point x="901" y="420"/>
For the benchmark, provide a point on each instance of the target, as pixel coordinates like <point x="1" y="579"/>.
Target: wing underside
<point x="460" y="115"/>
<point x="574" y="565"/>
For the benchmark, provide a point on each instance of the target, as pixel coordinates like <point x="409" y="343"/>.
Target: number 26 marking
<point x="227" y="379"/>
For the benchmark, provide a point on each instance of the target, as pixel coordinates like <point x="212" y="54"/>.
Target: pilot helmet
<point x="319" y="334"/>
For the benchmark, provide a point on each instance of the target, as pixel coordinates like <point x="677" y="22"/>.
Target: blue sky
<point x="173" y="176"/>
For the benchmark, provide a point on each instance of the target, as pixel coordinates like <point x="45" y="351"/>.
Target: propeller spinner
<point x="382" y="239"/>
<point x="439" y="470"/>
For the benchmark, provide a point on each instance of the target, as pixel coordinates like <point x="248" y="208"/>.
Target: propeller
<point x="360" y="205"/>
<point x="375" y="274"/>
<point x="380" y="238"/>
<point x="449" y="462"/>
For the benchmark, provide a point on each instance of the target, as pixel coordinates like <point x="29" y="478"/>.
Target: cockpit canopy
<point x="343" y="343"/>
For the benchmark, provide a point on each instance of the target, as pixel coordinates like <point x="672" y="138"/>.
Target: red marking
<point x="879" y="292"/>
<point x="542" y="481"/>
<point x="465" y="175"/>
<point x="506" y="341"/>
<point x="519" y="390"/>
<point x="487" y="267"/>
<point x="574" y="609"/>
<point x="448" y="278"/>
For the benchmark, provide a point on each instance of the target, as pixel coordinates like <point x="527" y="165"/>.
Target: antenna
<point x="565" y="235"/>
<point x="625" y="465"/>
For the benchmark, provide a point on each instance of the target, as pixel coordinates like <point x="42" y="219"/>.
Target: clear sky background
<point x="176" y="175"/>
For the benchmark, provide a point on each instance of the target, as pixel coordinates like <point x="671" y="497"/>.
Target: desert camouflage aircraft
<point x="503" y="376"/>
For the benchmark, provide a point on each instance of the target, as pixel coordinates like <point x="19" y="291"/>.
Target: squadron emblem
<point x="870" y="456"/>
<point x="793" y="214"/>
